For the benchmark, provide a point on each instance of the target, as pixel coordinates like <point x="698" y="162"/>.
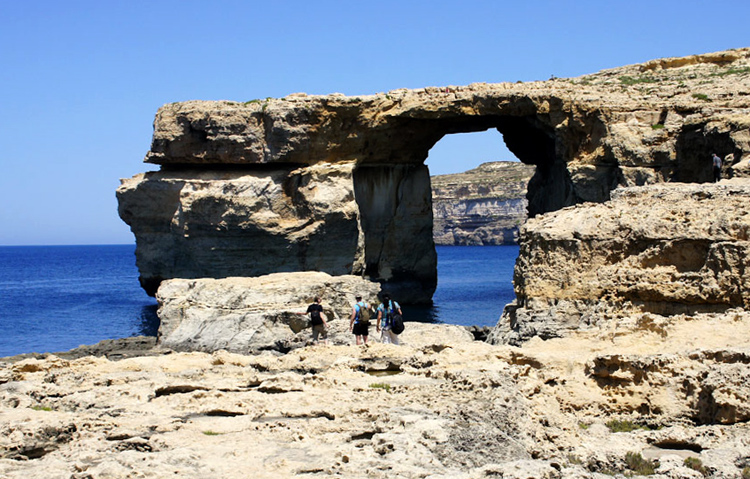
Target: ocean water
<point x="474" y="285"/>
<point x="55" y="298"/>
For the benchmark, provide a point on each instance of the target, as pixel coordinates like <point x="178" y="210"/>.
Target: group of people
<point x="359" y="320"/>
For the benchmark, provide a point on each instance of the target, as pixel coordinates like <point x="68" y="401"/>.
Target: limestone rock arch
<point x="338" y="184"/>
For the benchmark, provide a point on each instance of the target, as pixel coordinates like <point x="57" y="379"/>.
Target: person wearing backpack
<point x="387" y="310"/>
<point x="359" y="322"/>
<point x="317" y="321"/>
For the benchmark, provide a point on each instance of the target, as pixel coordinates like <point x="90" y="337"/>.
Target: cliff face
<point x="635" y="125"/>
<point x="193" y="223"/>
<point x="651" y="251"/>
<point x="483" y="206"/>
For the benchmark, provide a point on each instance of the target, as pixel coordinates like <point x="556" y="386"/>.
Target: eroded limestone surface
<point x="249" y="315"/>
<point x="440" y="405"/>
<point x="665" y="249"/>
<point x="346" y="190"/>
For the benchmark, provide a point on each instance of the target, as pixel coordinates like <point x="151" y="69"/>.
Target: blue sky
<point x="82" y="80"/>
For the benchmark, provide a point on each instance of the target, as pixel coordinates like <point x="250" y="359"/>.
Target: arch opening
<point x="478" y="190"/>
<point x="527" y="138"/>
<point x="478" y="202"/>
<point x="392" y="189"/>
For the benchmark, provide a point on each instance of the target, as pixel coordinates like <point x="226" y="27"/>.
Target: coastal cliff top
<point x="401" y="125"/>
<point x="498" y="180"/>
<point x="718" y="79"/>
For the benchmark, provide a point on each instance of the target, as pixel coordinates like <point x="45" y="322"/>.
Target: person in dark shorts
<point x="386" y="310"/>
<point x="318" y="321"/>
<point x="359" y="322"/>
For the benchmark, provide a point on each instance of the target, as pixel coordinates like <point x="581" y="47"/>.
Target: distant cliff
<point x="483" y="206"/>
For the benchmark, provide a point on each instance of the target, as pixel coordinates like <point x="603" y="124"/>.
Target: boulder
<point x="249" y="315"/>
<point x="654" y="251"/>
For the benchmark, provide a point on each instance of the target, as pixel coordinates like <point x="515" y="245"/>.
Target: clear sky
<point x="81" y="80"/>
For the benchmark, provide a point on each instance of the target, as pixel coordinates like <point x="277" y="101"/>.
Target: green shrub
<point x="746" y="473"/>
<point x="626" y="80"/>
<point x="701" y="96"/>
<point x="385" y="386"/>
<point x="41" y="408"/>
<point x="638" y="464"/>
<point x="695" y="464"/>
<point x="731" y="71"/>
<point x="583" y="425"/>
<point x="211" y="433"/>
<point x="616" y="425"/>
<point x="657" y="126"/>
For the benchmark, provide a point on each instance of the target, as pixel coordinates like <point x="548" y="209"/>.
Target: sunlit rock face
<point x="338" y="184"/>
<point x="194" y="223"/>
<point x="666" y="250"/>
<point x="251" y="315"/>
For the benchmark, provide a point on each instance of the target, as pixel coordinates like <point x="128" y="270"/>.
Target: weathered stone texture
<point x="248" y="315"/>
<point x="439" y="405"/>
<point x="196" y="223"/>
<point x="665" y="249"/>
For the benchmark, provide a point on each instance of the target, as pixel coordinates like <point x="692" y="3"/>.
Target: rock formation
<point x="669" y="249"/>
<point x="249" y="315"/>
<point x="632" y="315"/>
<point x="338" y="184"/>
<point x="483" y="206"/>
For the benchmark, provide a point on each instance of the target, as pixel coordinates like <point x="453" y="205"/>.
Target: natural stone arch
<point x="338" y="184"/>
<point x="207" y="225"/>
<point x="396" y="222"/>
<point x="532" y="140"/>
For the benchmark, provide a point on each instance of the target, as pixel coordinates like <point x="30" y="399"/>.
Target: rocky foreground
<point x="626" y="354"/>
<point x="631" y="358"/>
<point x="441" y="405"/>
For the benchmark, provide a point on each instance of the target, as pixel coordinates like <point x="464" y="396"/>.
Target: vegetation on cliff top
<point x="498" y="179"/>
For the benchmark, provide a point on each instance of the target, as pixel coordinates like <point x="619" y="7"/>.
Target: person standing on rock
<point x="386" y="311"/>
<point x="359" y="322"/>
<point x="717" y="166"/>
<point x="318" y="321"/>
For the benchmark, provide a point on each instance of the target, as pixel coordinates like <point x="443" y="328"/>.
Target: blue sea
<point x="55" y="298"/>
